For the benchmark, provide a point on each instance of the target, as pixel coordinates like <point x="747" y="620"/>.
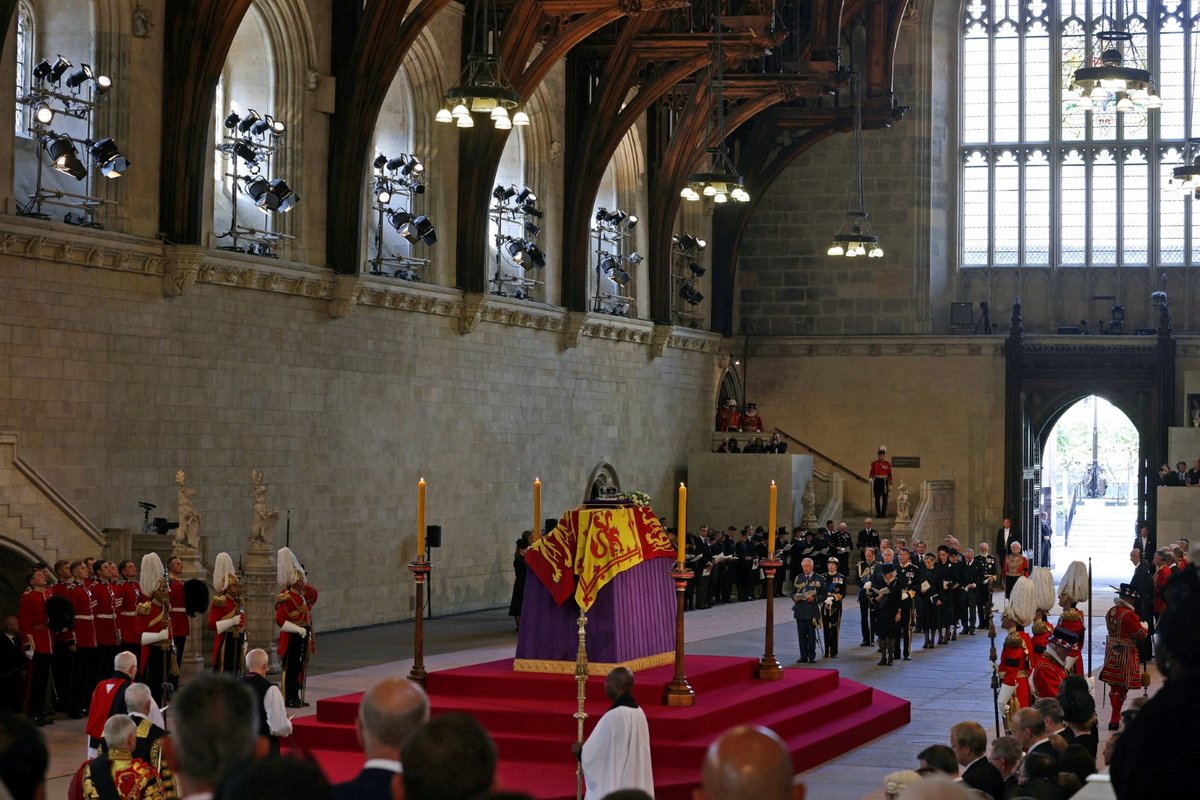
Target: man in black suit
<point x="1030" y="729"/>
<point x="1178" y="477"/>
<point x="969" y="743"/>
<point x="1006" y="757"/>
<point x="1143" y="583"/>
<point x="12" y="667"/>
<point x="1004" y="536"/>
<point x="1045" y="538"/>
<point x="1142" y="541"/>
<point x="390" y="713"/>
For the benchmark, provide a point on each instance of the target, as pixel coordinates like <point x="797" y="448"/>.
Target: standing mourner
<point x="831" y="609"/>
<point x="807" y="599"/>
<point x="908" y="577"/>
<point x="866" y="571"/>
<point x="881" y="481"/>
<point x="519" y="570"/>
<point x="927" y="595"/>
<point x="887" y="613"/>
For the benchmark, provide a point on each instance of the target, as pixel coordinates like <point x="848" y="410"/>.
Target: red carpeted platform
<point x="817" y="713"/>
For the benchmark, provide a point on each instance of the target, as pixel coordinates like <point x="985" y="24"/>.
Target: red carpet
<point x="819" y="715"/>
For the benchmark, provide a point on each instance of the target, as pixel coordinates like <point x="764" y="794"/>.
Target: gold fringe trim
<point x="594" y="667"/>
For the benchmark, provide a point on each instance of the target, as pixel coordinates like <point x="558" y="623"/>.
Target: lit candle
<point x="421" y="520"/>
<point x="771" y="526"/>
<point x="537" y="507"/>
<point x="682" y="522"/>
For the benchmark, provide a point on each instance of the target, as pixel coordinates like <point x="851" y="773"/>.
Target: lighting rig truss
<point x="399" y="179"/>
<point x="514" y="215"/>
<point x="612" y="234"/>
<point x="61" y="91"/>
<point x="686" y="271"/>
<point x="251" y="142"/>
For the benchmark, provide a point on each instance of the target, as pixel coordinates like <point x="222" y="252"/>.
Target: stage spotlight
<point x="601" y="214"/>
<point x="535" y="256"/>
<point x="41" y="70"/>
<point x="419" y="229"/>
<point x="64" y="156"/>
<point x="697" y="270"/>
<point x="621" y="276"/>
<point x="398" y="218"/>
<point x="532" y="230"/>
<point x="526" y="196"/>
<point x="79" y="76"/>
<point x="245" y="152"/>
<point x="685" y="241"/>
<point x="530" y="211"/>
<point x="413" y="165"/>
<point x="688" y="293"/>
<point x="417" y="188"/>
<point x="516" y="250"/>
<point x="383" y="192"/>
<point x="396" y="163"/>
<point x="379" y="161"/>
<point x="283" y="199"/>
<point x="502" y="194"/>
<point x="261" y="126"/>
<point x="248" y="121"/>
<point x="231" y="120"/>
<point x="616" y="217"/>
<point x="609" y="264"/>
<point x="43" y="113"/>
<point x="256" y="188"/>
<point x="636" y="258"/>
<point x="277" y="126"/>
<point x="103" y="84"/>
<point x="110" y="160"/>
<point x="632" y="222"/>
<point x="60" y="66"/>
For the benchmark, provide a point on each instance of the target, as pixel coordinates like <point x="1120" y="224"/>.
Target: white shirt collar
<point x="383" y="763"/>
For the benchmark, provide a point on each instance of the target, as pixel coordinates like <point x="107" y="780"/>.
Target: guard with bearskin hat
<point x="293" y="615"/>
<point x="227" y="618"/>
<point x="1073" y="590"/>
<point x="1014" y="666"/>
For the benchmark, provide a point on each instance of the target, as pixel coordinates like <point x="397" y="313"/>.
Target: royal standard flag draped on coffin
<point x="593" y="545"/>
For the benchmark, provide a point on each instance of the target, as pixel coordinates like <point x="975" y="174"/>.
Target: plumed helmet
<point x="1074" y="583"/>
<point x="1043" y="583"/>
<point x="287" y="568"/>
<point x="882" y="449"/>
<point x="151" y="573"/>
<point x="223" y="572"/>
<point x="1022" y="603"/>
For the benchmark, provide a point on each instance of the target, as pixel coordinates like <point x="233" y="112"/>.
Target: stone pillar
<point x="195" y="653"/>
<point x="259" y="590"/>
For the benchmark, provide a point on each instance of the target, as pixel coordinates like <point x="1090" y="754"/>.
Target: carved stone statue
<point x="142" y="22"/>
<point x="265" y="516"/>
<point x="809" y="502"/>
<point x="902" y="502"/>
<point x="188" y="534"/>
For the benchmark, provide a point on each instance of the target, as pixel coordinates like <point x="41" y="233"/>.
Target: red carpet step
<point x="817" y="713"/>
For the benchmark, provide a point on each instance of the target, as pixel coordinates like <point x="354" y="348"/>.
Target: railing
<point x="815" y="452"/>
<point x="1076" y="488"/>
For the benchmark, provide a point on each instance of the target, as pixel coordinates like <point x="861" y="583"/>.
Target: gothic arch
<point x="604" y="481"/>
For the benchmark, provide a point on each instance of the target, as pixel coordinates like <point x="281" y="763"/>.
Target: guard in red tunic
<point x="1122" y="668"/>
<point x="293" y="615"/>
<point x="1164" y="568"/>
<point x="1072" y="590"/>
<point x="107" y="635"/>
<point x="83" y="672"/>
<point x="159" y="667"/>
<point x="130" y="596"/>
<point x="38" y="643"/>
<point x="62" y="626"/>
<point x="227" y="618"/>
<point x="751" y="422"/>
<point x="881" y="481"/>
<point x="728" y="418"/>
<point x="1050" y="671"/>
<point x="179" y="616"/>
<point x="1014" y="666"/>
<point x="108" y="699"/>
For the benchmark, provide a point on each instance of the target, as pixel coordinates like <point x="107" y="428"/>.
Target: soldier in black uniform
<point x="989" y="569"/>
<point x="783" y="549"/>
<point x="839" y="547"/>
<point x="809" y="593"/>
<point x="822" y="542"/>
<point x="743" y="568"/>
<point x="866" y="570"/>
<point x="831" y="608"/>
<point x="974" y="578"/>
<point x="927" y="595"/>
<point x="907" y="577"/>
<point x="887" y="613"/>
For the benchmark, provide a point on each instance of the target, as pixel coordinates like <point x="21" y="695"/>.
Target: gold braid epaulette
<point x="220" y="600"/>
<point x="1013" y="640"/>
<point x="1072" y="614"/>
<point x="1041" y="626"/>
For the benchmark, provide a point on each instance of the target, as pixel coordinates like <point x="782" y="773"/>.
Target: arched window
<point x="1047" y="184"/>
<point x="24" y="48"/>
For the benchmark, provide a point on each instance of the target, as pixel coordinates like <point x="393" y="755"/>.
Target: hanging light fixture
<point x="1186" y="178"/>
<point x="720" y="181"/>
<point x="855" y="237"/>
<point x="1119" y="81"/>
<point x="483" y="87"/>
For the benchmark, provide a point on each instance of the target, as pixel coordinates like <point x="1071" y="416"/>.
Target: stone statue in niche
<point x="902" y="502"/>
<point x="187" y="537"/>
<point x="809" y="502"/>
<point x="141" y="22"/>
<point x="265" y="517"/>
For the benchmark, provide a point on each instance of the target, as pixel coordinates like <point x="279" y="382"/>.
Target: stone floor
<point x="945" y="685"/>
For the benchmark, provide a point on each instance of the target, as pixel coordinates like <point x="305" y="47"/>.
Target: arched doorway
<point x="1089" y="487"/>
<point x="13" y="566"/>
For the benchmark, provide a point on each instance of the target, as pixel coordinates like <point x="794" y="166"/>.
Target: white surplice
<point x="617" y="754"/>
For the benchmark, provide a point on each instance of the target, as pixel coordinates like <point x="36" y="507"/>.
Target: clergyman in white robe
<point x="617" y="754"/>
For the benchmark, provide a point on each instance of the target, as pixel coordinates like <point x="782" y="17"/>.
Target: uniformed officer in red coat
<point x="293" y="615"/>
<point x="34" y="625"/>
<point x="1122" y="668"/>
<point x="159" y="666"/>
<point x="131" y="595"/>
<point x="881" y="481"/>
<point x="107" y="635"/>
<point x="728" y="418"/>
<point x="227" y="618"/>
<point x="83" y="668"/>
<point x="179" y="616"/>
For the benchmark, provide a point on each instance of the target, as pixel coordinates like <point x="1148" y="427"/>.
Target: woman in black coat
<point x="519" y="568"/>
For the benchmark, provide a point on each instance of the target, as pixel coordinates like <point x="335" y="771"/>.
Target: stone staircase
<point x="36" y="521"/>
<point x="1101" y="530"/>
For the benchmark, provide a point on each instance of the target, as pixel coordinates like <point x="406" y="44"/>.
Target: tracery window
<point x="1043" y="185"/>
<point x="24" y="47"/>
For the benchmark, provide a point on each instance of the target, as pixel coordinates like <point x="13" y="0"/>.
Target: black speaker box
<point x="433" y="535"/>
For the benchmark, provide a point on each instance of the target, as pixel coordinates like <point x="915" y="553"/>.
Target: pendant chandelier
<point x="1186" y="178"/>
<point x="720" y="181"/>
<point x="483" y="88"/>
<point x="1119" y="82"/>
<point x="855" y="237"/>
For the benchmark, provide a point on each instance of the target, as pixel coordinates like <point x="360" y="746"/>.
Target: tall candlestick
<point x="682" y="522"/>
<point x="771" y="526"/>
<point x="537" y="507"/>
<point x="421" y="520"/>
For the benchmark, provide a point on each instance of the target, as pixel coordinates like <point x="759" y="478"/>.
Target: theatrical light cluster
<point x="612" y="232"/>
<point x="686" y="251"/>
<point x="400" y="179"/>
<point x="62" y="92"/>
<point x="514" y="214"/>
<point x="250" y="143"/>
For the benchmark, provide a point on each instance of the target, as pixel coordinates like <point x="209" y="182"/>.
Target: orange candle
<point x="682" y="523"/>
<point x="537" y="507"/>
<point x="421" y="520"/>
<point x="771" y="527"/>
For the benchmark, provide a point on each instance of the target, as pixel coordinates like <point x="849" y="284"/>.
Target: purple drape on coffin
<point x="633" y="617"/>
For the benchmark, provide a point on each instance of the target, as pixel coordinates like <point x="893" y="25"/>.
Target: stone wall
<point x="112" y="387"/>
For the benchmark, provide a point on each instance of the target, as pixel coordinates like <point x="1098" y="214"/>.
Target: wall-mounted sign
<point x="906" y="462"/>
